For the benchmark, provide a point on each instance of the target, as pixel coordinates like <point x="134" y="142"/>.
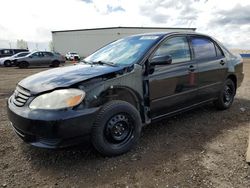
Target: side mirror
<point x="161" y="60"/>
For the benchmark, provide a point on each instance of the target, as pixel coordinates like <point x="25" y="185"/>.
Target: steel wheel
<point x="119" y="129"/>
<point x="228" y="94"/>
<point x="116" y="128"/>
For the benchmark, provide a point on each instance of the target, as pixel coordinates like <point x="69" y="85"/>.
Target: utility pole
<point x="10" y="44"/>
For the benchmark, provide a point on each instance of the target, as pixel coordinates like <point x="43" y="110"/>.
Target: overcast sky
<point x="33" y="20"/>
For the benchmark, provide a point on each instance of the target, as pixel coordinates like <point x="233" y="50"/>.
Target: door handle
<point x="191" y="68"/>
<point x="222" y="62"/>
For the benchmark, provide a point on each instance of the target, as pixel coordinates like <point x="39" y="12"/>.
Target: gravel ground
<point x="200" y="148"/>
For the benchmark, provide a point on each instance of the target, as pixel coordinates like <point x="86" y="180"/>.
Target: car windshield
<point x="123" y="51"/>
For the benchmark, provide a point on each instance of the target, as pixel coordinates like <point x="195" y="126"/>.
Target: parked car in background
<point x="9" y="52"/>
<point x="72" y="56"/>
<point x="9" y="61"/>
<point x="121" y="87"/>
<point x="40" y="58"/>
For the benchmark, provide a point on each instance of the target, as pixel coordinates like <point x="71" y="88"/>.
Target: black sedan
<point x="121" y="87"/>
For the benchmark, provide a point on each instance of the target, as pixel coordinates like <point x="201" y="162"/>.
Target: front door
<point x="36" y="59"/>
<point x="173" y="87"/>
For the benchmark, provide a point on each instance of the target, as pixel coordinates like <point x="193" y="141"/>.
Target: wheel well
<point x="234" y="79"/>
<point x="123" y="94"/>
<point x="120" y="94"/>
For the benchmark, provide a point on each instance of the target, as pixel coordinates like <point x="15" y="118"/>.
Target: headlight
<point x="58" y="99"/>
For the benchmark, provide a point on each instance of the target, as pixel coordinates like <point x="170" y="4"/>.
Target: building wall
<point x="86" y="42"/>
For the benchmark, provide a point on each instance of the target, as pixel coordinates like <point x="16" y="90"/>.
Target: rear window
<point x="203" y="48"/>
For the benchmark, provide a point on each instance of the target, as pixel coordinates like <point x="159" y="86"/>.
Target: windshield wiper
<point x="104" y="63"/>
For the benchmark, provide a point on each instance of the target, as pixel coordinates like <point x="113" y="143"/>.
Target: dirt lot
<point x="201" y="148"/>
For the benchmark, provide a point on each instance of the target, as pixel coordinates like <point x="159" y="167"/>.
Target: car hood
<point x="64" y="77"/>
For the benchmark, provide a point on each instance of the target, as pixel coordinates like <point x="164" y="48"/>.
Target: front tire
<point x="23" y="65"/>
<point x="226" y="95"/>
<point x="116" y="129"/>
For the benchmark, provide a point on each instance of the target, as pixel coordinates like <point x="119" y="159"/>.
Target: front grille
<point x="21" y="96"/>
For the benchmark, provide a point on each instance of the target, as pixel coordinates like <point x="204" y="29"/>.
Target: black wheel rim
<point x="119" y="129"/>
<point x="228" y="94"/>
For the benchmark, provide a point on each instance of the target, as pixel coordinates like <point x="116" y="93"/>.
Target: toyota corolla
<point x="121" y="87"/>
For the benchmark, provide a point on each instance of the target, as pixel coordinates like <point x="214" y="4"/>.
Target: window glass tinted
<point x="176" y="47"/>
<point x="203" y="48"/>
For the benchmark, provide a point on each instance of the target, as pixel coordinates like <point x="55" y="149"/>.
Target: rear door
<point x="173" y="87"/>
<point x="212" y="66"/>
<point x="47" y="58"/>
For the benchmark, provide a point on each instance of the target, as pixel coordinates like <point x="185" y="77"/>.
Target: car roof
<point x="172" y="33"/>
<point x="40" y="51"/>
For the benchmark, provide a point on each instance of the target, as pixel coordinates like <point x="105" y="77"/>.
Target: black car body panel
<point x="156" y="91"/>
<point x="52" y="129"/>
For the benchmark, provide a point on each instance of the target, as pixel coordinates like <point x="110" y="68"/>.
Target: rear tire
<point x="116" y="129"/>
<point x="7" y="63"/>
<point x="23" y="65"/>
<point x="226" y="95"/>
<point x="55" y="64"/>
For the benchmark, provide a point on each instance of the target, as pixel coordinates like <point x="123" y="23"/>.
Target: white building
<point x="86" y="41"/>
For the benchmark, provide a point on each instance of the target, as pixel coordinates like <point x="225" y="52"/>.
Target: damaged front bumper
<point x="51" y="128"/>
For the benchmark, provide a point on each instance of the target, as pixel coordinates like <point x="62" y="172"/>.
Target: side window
<point x="47" y="54"/>
<point x="177" y="48"/>
<point x="35" y="54"/>
<point x="203" y="48"/>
